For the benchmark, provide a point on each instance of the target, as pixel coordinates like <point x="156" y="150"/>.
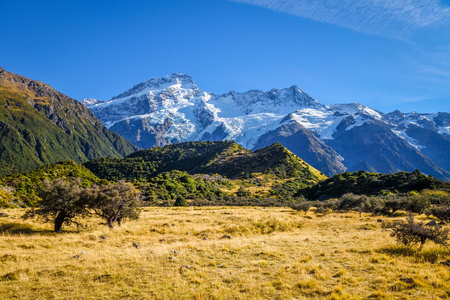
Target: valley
<point x="182" y="253"/>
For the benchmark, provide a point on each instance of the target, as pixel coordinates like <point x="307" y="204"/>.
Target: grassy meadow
<point x="218" y="253"/>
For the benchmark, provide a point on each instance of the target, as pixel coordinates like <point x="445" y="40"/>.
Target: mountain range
<point x="333" y="139"/>
<point x="39" y="126"/>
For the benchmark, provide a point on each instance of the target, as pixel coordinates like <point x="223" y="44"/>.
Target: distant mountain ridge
<point x="335" y="138"/>
<point x="39" y="125"/>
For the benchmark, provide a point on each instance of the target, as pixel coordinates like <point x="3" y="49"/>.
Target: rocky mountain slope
<point x="333" y="138"/>
<point x="39" y="125"/>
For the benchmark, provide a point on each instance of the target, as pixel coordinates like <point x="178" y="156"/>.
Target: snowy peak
<point x="438" y="122"/>
<point x="169" y="82"/>
<point x="356" y="109"/>
<point x="172" y="109"/>
<point x="92" y="101"/>
<point x="274" y="101"/>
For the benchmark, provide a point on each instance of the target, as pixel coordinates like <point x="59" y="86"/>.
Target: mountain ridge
<point x="39" y="125"/>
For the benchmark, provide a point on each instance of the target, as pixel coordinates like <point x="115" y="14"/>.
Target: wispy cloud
<point x="389" y="18"/>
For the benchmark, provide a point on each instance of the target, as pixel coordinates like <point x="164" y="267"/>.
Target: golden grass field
<point x="273" y="253"/>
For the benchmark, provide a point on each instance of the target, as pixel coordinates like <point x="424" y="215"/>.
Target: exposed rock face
<point x="306" y="145"/>
<point x="331" y="138"/>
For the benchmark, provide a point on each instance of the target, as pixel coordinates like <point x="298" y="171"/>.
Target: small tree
<point x="61" y="203"/>
<point x="180" y="201"/>
<point x="410" y="233"/>
<point x="114" y="202"/>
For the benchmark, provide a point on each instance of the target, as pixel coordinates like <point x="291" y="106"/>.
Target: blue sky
<point x="386" y="54"/>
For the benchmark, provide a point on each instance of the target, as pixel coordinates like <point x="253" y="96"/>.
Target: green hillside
<point x="225" y="158"/>
<point x="39" y="126"/>
<point x="373" y="184"/>
<point x="27" y="184"/>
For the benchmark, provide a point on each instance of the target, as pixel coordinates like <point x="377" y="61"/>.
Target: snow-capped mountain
<point x="430" y="133"/>
<point x="173" y="109"/>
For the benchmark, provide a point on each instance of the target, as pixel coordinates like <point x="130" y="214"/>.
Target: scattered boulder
<point x="380" y="221"/>
<point x="205" y="238"/>
<point x="3" y="215"/>
<point x="432" y="223"/>
<point x="79" y="255"/>
<point x="8" y="257"/>
<point x="226" y="237"/>
<point x="406" y="279"/>
<point x="175" y="252"/>
<point x="162" y="240"/>
<point x="104" y="237"/>
<point x="136" y="245"/>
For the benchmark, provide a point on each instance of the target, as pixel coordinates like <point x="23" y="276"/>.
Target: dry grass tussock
<point x="218" y="253"/>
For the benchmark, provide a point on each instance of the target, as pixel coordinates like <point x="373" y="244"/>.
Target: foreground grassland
<point x="273" y="253"/>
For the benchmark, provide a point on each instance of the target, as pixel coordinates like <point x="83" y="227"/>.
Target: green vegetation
<point x="26" y="185"/>
<point x="40" y="126"/>
<point x="373" y="184"/>
<point x="166" y="188"/>
<point x="225" y="158"/>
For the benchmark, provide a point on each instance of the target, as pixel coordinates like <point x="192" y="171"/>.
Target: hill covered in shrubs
<point x="225" y="158"/>
<point x="372" y="184"/>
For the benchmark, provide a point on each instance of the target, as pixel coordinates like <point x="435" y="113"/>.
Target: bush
<point x="181" y="201"/>
<point x="321" y="207"/>
<point x="410" y="233"/>
<point x="304" y="206"/>
<point x="441" y="212"/>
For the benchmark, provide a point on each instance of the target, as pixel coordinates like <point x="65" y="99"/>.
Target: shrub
<point x="180" y="201"/>
<point x="410" y="233"/>
<point x="441" y="212"/>
<point x="304" y="206"/>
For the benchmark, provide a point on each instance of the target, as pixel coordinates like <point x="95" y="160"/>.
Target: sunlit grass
<point x="183" y="253"/>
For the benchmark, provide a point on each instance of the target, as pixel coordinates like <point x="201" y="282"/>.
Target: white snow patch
<point x="410" y="140"/>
